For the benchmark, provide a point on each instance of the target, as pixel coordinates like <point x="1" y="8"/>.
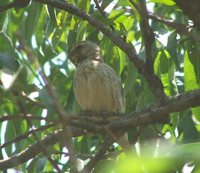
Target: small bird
<point x="96" y="85"/>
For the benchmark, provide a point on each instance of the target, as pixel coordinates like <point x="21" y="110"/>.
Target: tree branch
<point x="99" y="155"/>
<point x="147" y="116"/>
<point x="152" y="115"/>
<point x="99" y="8"/>
<point x="21" y="117"/>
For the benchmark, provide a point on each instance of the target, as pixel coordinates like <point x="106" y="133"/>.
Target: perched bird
<point x="96" y="85"/>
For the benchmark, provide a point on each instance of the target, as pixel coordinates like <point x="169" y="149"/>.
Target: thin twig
<point x="21" y="117"/>
<point x="32" y="101"/>
<point x="99" y="155"/>
<point x="180" y="28"/>
<point x="27" y="134"/>
<point x="99" y="8"/>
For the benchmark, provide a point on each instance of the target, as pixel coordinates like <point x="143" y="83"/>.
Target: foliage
<point x="35" y="40"/>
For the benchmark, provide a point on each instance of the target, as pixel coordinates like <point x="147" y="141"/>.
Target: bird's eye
<point x="79" y="46"/>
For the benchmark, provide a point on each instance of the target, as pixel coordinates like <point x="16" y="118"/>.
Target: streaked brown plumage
<point x="96" y="85"/>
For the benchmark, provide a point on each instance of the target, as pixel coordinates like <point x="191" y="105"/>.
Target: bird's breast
<point x="97" y="87"/>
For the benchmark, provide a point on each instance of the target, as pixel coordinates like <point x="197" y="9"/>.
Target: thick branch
<point x="128" y="121"/>
<point x="151" y="115"/>
<point x="154" y="114"/>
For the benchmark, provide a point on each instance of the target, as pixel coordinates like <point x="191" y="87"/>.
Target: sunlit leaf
<point x="186" y="151"/>
<point x="166" y="2"/>
<point x="31" y="22"/>
<point x="164" y="67"/>
<point x="131" y="77"/>
<point x="61" y="24"/>
<point x="192" y="75"/>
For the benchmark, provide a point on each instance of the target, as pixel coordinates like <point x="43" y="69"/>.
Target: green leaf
<point x="61" y="25"/>
<point x="145" y="97"/>
<point x="7" y="54"/>
<point x="52" y="15"/>
<point x="149" y="164"/>
<point x="3" y="15"/>
<point x="8" y="106"/>
<point x="8" y="62"/>
<point x="189" y="72"/>
<point x="188" y="151"/>
<point x="9" y="135"/>
<point x="105" y="3"/>
<point x="104" y="166"/>
<point x="123" y="60"/>
<point x="102" y="19"/>
<point x="81" y="30"/>
<point x="123" y="3"/>
<point x="192" y="75"/>
<point x="166" y="2"/>
<point x="84" y="4"/>
<point x="71" y="104"/>
<point x="31" y="21"/>
<point x="50" y="23"/>
<point x="115" y="14"/>
<point x="46" y="100"/>
<point x="172" y="48"/>
<point x="82" y="144"/>
<point x="186" y="128"/>
<point x="32" y="166"/>
<point x="48" y="52"/>
<point x="37" y="165"/>
<point x="6" y="44"/>
<point x="131" y="77"/>
<point x="164" y="67"/>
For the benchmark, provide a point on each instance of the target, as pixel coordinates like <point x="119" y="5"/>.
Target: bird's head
<point x="84" y="50"/>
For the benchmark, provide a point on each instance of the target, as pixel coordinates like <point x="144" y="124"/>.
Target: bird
<point x="97" y="87"/>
